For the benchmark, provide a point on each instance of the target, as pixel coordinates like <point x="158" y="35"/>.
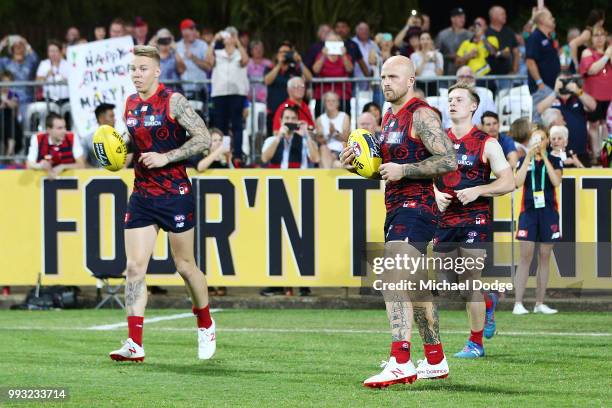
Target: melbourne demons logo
<point x="162" y="133"/>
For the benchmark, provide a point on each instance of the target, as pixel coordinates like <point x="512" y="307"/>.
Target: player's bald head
<point x="400" y="64"/>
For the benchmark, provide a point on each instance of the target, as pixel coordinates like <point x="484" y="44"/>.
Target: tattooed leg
<point x="139" y="245"/>
<point x="427" y="320"/>
<point x="399" y="313"/>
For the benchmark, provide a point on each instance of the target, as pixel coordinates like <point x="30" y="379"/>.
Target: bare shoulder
<point x="425" y="121"/>
<point x="178" y="105"/>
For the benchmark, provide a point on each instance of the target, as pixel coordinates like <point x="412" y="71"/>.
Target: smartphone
<point x="334" y="47"/>
<point x="387" y="37"/>
<point x="292" y="126"/>
<point x="226" y="143"/>
<point x="535" y="140"/>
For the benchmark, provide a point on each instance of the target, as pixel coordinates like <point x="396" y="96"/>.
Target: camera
<point x="565" y="82"/>
<point x="164" y="41"/>
<point x="292" y="126"/>
<point x="290" y="58"/>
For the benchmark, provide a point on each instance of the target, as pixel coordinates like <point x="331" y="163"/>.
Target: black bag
<point x="53" y="297"/>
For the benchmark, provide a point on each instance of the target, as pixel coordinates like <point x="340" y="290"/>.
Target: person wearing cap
<point x="449" y="39"/>
<point x="141" y="29"/>
<point x="193" y="52"/>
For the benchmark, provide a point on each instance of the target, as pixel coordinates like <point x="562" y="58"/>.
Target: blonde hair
<point x="147" y="51"/>
<point x="559" y="130"/>
<point x="473" y="95"/>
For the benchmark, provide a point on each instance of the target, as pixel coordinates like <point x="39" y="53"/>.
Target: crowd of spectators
<point x="228" y="70"/>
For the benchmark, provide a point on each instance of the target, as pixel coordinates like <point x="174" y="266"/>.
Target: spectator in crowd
<point x="505" y="61"/>
<point x="428" y="62"/>
<point x="332" y="129"/>
<point x="596" y="19"/>
<point x="366" y="46"/>
<point x="193" y="51"/>
<point x="490" y="125"/>
<point x="218" y="156"/>
<point x="375" y="110"/>
<point x="141" y="30"/>
<point x="288" y="64"/>
<point x="54" y="69"/>
<point x="520" y="130"/>
<point x="73" y="35"/>
<point x="316" y="48"/>
<point x="449" y="39"/>
<point x="296" y="89"/>
<point x="385" y="49"/>
<point x="541" y="56"/>
<point x="573" y="103"/>
<point x="245" y="39"/>
<point x="466" y="75"/>
<point x="22" y="65"/>
<point x="105" y="115"/>
<point x="56" y="149"/>
<point x="170" y="62"/>
<point x="129" y="28"/>
<point x="419" y="94"/>
<point x="520" y="40"/>
<point x="230" y="85"/>
<point x="426" y="26"/>
<point x="596" y="68"/>
<point x="333" y="66"/>
<point x="566" y="59"/>
<point x="539" y="218"/>
<point x="293" y="147"/>
<point x="117" y="28"/>
<point x="367" y="121"/>
<point x="207" y="36"/>
<point x="412" y="29"/>
<point x="559" y="136"/>
<point x="9" y="111"/>
<point x="256" y="69"/>
<point x="99" y="32"/>
<point x="474" y="52"/>
<point x="343" y="29"/>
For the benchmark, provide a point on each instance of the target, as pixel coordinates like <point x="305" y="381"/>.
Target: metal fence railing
<point x="507" y="95"/>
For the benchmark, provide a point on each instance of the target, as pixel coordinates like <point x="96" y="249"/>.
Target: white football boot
<point x="426" y="371"/>
<point x="130" y="351"/>
<point x="519" y="309"/>
<point x="392" y="373"/>
<point x="207" y="342"/>
<point x="544" y="309"/>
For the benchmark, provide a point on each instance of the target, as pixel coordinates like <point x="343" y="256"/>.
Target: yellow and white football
<point x="109" y="148"/>
<point x="367" y="153"/>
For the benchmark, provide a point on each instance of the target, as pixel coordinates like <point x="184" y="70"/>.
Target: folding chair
<point x="112" y="292"/>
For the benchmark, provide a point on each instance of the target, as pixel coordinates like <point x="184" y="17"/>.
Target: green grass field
<point x="303" y="358"/>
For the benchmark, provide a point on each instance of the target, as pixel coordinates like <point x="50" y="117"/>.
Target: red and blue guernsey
<point x="398" y="146"/>
<point x="471" y="171"/>
<point x="153" y="130"/>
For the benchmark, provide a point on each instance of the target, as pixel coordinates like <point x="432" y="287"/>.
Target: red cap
<point x="187" y="23"/>
<point x="139" y="22"/>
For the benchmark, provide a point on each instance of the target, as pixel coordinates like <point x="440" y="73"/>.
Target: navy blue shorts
<point x="539" y="225"/>
<point x="413" y="225"/>
<point x="447" y="239"/>
<point x="174" y="214"/>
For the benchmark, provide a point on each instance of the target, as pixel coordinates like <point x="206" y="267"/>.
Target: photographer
<point x="573" y="103"/>
<point x="171" y="63"/>
<point x="293" y="147"/>
<point x="288" y="64"/>
<point x="474" y="52"/>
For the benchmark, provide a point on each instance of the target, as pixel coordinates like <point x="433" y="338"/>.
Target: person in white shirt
<point x="428" y="62"/>
<point x="54" y="69"/>
<point x="332" y="129"/>
<point x="366" y="46"/>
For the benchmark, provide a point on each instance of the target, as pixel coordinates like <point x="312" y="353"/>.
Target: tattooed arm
<point x="426" y="125"/>
<point x="181" y="110"/>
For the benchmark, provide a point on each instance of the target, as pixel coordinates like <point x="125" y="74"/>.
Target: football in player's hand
<point x="109" y="148"/>
<point x="367" y="153"/>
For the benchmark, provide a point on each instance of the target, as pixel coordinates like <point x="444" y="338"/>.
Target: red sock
<point x="203" y="315"/>
<point x="401" y="351"/>
<point x="488" y="301"/>
<point x="135" y="324"/>
<point x="434" y="353"/>
<point x="476" y="337"/>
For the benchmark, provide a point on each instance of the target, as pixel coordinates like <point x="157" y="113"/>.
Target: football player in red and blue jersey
<point x="414" y="149"/>
<point x="464" y="222"/>
<point x="158" y="120"/>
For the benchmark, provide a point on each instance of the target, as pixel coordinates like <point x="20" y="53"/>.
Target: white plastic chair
<point x="512" y="107"/>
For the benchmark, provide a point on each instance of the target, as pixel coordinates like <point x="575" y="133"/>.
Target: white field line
<point x="115" y="326"/>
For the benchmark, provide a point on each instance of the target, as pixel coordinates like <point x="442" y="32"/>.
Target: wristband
<point x="539" y="81"/>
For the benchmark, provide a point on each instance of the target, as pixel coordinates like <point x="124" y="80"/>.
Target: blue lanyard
<point x="533" y="185"/>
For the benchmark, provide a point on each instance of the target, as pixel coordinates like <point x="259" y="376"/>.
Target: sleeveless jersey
<point x="398" y="146"/>
<point x="471" y="171"/>
<point x="60" y="154"/>
<point x="153" y="130"/>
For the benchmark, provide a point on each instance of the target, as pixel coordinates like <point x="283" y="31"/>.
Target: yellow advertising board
<point x="258" y="227"/>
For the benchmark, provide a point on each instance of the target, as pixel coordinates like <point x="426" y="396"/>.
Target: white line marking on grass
<point x="147" y="320"/>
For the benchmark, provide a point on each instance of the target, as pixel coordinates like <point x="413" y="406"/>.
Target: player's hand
<point x="468" y="195"/>
<point x="443" y="200"/>
<point x="347" y="155"/>
<point x="391" y="171"/>
<point x="152" y="160"/>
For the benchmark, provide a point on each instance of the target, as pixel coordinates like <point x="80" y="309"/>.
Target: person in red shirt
<point x="330" y="65"/>
<point x="596" y="68"/>
<point x="296" y="88"/>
